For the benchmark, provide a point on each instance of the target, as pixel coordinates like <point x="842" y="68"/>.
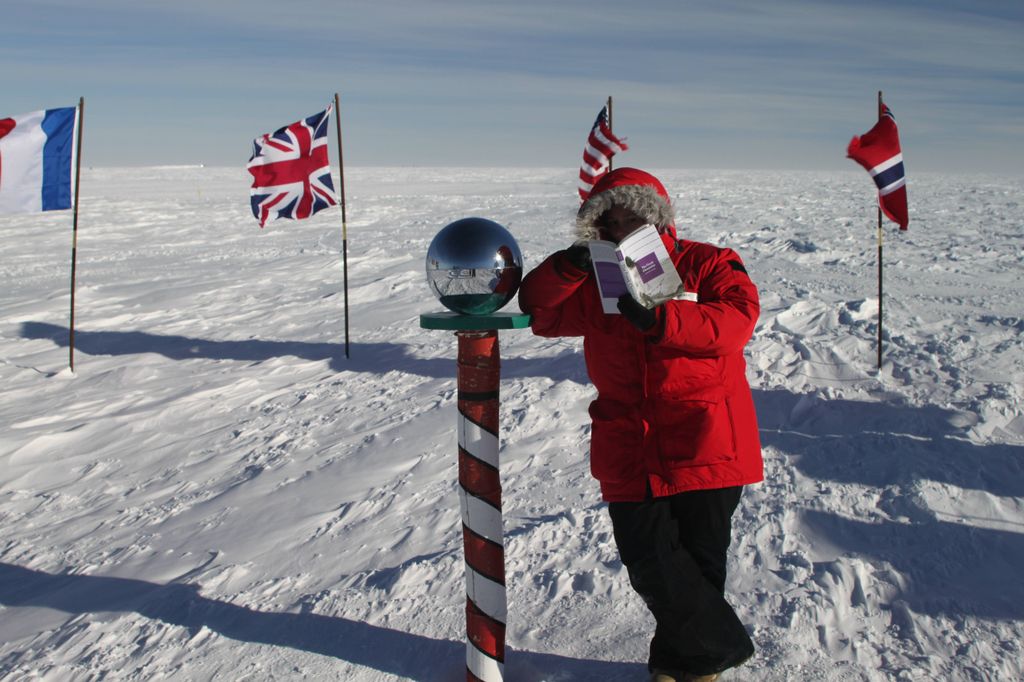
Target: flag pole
<point x="344" y="217"/>
<point x="610" y="126"/>
<point x="879" y="258"/>
<point x="74" y="234"/>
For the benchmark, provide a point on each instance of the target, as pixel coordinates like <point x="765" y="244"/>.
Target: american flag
<point x="878" y="151"/>
<point x="291" y="172"/>
<point x="597" y="155"/>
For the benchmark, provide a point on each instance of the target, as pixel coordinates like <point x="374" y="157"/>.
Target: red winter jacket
<point x="673" y="411"/>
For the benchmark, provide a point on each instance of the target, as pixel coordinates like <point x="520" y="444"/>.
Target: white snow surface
<point x="218" y="493"/>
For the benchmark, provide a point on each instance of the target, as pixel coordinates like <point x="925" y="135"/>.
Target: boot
<point x="669" y="676"/>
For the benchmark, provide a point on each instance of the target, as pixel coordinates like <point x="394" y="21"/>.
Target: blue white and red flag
<point x="597" y="154"/>
<point x="878" y="151"/>
<point x="37" y="156"/>
<point x="291" y="171"/>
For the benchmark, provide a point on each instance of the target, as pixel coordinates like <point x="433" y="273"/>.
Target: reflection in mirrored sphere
<point x="474" y="266"/>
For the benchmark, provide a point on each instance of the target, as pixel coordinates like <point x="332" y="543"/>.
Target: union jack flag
<point x="291" y="171"/>
<point x="878" y="151"/>
<point x="597" y="154"/>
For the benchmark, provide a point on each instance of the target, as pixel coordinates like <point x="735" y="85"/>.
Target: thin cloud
<point x="429" y="82"/>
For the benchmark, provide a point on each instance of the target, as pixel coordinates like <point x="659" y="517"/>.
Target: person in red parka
<point x="674" y="434"/>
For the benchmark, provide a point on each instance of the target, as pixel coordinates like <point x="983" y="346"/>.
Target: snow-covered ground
<point x="217" y="492"/>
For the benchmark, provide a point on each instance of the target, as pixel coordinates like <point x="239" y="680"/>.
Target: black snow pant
<point x="675" y="550"/>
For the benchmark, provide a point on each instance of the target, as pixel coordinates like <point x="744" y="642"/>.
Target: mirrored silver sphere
<point x="474" y="266"/>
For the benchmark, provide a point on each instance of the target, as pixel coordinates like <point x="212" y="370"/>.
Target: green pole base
<point x="459" y="322"/>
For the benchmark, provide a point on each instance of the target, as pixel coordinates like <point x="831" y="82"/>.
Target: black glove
<point x="579" y="255"/>
<point x="640" y="317"/>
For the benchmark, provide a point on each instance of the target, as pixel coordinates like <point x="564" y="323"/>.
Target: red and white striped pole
<point x="479" y="371"/>
<point x="479" y="375"/>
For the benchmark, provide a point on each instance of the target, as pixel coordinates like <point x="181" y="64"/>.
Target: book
<point x="638" y="265"/>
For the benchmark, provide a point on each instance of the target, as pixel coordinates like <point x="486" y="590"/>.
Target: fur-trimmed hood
<point x="629" y="188"/>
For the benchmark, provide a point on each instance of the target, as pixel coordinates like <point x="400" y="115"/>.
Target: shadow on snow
<point x="391" y="651"/>
<point x="364" y="357"/>
<point x="878" y="444"/>
<point x="952" y="568"/>
<point x="955" y="568"/>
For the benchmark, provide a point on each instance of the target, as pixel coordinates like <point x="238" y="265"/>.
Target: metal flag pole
<point x="879" y="257"/>
<point x="610" y="127"/>
<point x="74" y="234"/>
<point x="479" y="375"/>
<point x="344" y="217"/>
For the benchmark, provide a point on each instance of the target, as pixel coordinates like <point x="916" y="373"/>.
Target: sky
<point x="739" y="84"/>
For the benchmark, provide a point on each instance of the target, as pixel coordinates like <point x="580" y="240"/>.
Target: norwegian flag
<point x="291" y="172"/>
<point x="597" y="155"/>
<point x="878" y="150"/>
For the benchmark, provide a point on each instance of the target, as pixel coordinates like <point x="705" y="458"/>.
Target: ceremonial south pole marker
<point x="479" y="373"/>
<point x="474" y="267"/>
